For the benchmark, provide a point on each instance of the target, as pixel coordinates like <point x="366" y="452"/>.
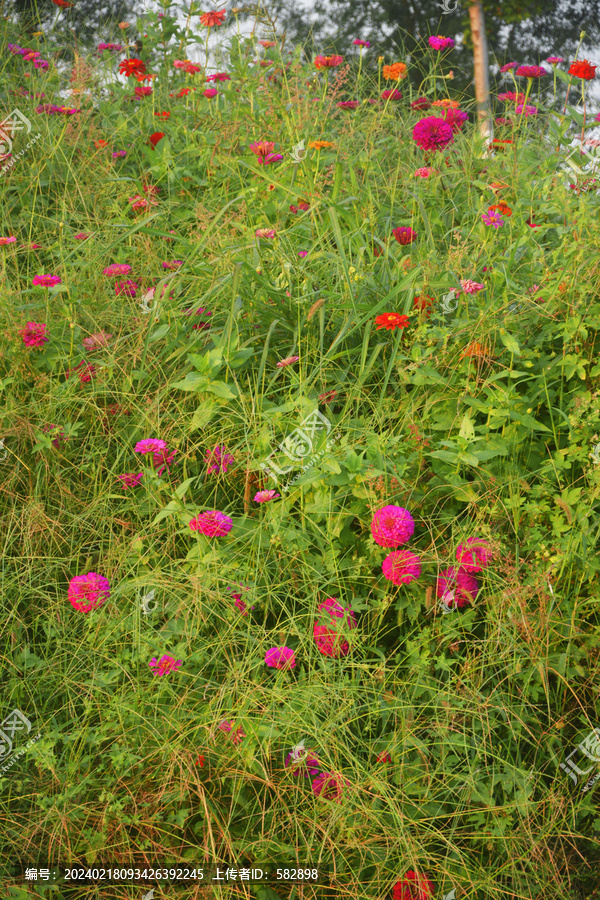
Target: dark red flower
<point x="156" y="137"/>
<point x="413" y="887"/>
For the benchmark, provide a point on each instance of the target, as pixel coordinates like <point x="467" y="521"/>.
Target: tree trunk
<point x="482" y="81"/>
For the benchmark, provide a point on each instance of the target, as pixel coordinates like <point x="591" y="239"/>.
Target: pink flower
<point x="392" y="95"/>
<point x="82" y="236"/>
<point x="329" y="637"/>
<point x="392" y="526"/>
<point x="329" y="786"/>
<point x="348" y="104"/>
<point x="7" y="240"/>
<point x="34" y="334"/>
<point x="172" y="265"/>
<point x="531" y="71"/>
<point x="83" y="371"/>
<point x="117" y="269"/>
<point x="210" y="93"/>
<point x="555" y="60"/>
<point x="526" y="110"/>
<point x="238" y="734"/>
<point x="456" y="118"/>
<point x="493" y="218"/>
<point x="512" y="97"/>
<point x="421" y="103"/>
<point x="212" y="523"/>
<point x="384" y="757"/>
<point x="222" y="459"/>
<point x="46" y="280"/>
<point x="441" y="43"/>
<point x="401" y="567"/>
<point x="474" y="555"/>
<point x="404" y="234"/>
<point x="149" y="445"/>
<point x="219" y="76"/>
<point x="288" y="361"/>
<point x="360" y="43"/>
<point x="302" y="760"/>
<point x="509" y="66"/>
<point x="165" y="665"/>
<point x="87" y="592"/>
<point x="129" y="288"/>
<point x="264" y="496"/>
<point x="424" y="172"/>
<point x="266" y="233"/>
<point x="432" y="133"/>
<point x="471" y="287"/>
<point x="60" y="436"/>
<point x="280" y="658"/>
<point x="456" y="587"/>
<point x="264" y="152"/>
<point x="304" y="253"/>
<point x="130" y="479"/>
<point x="163" y="459"/>
<point x="95" y="341"/>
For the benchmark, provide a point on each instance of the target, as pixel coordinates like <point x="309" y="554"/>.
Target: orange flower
<point x="395" y="72"/>
<point x="100" y="143"/>
<point x="502" y="207"/>
<point x="423" y="304"/>
<point x="132" y="67"/>
<point x="447" y="104"/>
<point x="390" y="321"/>
<point x="474" y="349"/>
<point x="319" y="145"/>
<point x="581" y="69"/>
<point x="212" y="18"/>
<point x="498" y="186"/>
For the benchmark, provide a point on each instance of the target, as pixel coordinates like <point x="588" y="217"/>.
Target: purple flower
<point x="221" y="459"/>
<point x="280" y="658"/>
<point x="456" y="588"/>
<point x="401" y="567"/>
<point x="165" y="665"/>
<point x="432" y="133"/>
<point x="392" y="526"/>
<point x="87" y="592"/>
<point x="493" y="218"/>
<point x="130" y="479"/>
<point x="441" y="43"/>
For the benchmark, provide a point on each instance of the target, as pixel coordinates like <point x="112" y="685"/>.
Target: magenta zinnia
<point x="165" y="665"/>
<point x="404" y="234"/>
<point x="265" y="496"/>
<point x="212" y="523"/>
<point x="329" y="786"/>
<point x="87" y="592"/>
<point x="432" y="133"/>
<point x="34" y="334"/>
<point x="441" y="43"/>
<point x="46" y="280"/>
<point x="327" y="634"/>
<point x="531" y="71"/>
<point x="401" y="567"/>
<point x="117" y="269"/>
<point x="280" y="658"/>
<point x="392" y="526"/>
<point x="474" y="555"/>
<point x="220" y="459"/>
<point x="130" y="479"/>
<point x="150" y="445"/>
<point x="456" y="588"/>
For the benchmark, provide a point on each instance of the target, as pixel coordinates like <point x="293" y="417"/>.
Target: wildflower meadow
<point x="300" y="468"/>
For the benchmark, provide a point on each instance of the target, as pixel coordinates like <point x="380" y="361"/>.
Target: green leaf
<point x="193" y="381"/>
<point x="510" y="342"/>
<point x="171" y="508"/>
<point x="203" y="414"/>
<point x="222" y="390"/>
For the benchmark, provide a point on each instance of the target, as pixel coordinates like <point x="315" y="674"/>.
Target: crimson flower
<point x="390" y="321"/>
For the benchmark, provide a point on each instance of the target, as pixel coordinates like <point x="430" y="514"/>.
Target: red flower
<point x="404" y="234"/>
<point x="583" y="69"/>
<point x="424" y="304"/>
<point x="156" y="137"/>
<point x="132" y="67"/>
<point x="328" y="62"/>
<point x="100" y="143"/>
<point x="64" y="4"/>
<point x="200" y="761"/>
<point x="212" y="18"/>
<point x="163" y="115"/>
<point x="390" y="321"/>
<point x="413" y="887"/>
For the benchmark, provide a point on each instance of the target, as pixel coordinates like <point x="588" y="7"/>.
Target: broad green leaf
<point x="510" y="342"/>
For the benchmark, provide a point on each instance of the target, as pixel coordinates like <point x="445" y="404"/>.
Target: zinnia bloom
<point x="280" y="658"/>
<point x="59" y="436"/>
<point x="423" y="172"/>
<point x="329" y="786"/>
<point x="493" y="218"/>
<point x="360" y="43"/>
<point x="210" y="93"/>
<point x="531" y="71"/>
<point x="129" y="288"/>
<point x="319" y="145"/>
<point x="211" y="19"/>
<point x="404" y="234"/>
<point x="219" y="76"/>
<point x="87" y="592"/>
<point x="423" y="304"/>
<point x="456" y="118"/>
<point x="97" y="340"/>
<point x="117" y="269"/>
<point x="83" y="371"/>
<point x="309" y="762"/>
<point x="165" y="665"/>
<point x="413" y="887"/>
<point x="401" y="567"/>
<point x="82" y="236"/>
<point x="395" y="72"/>
<point x="456" y="588"/>
<point x="392" y="526"/>
<point x="150" y="445"/>
<point x="328" y="62"/>
<point x="390" y="321"/>
<point x="264" y="496"/>
<point x="555" y="60"/>
<point x="441" y="43"/>
<point x="421" y="103"/>
<point x="130" y="479"/>
<point x="583" y="69"/>
<point x="46" y="280"/>
<point x="446" y="103"/>
<point x="288" y="361"/>
<point x="471" y="287"/>
<point x="474" y="555"/>
<point x="503" y="208"/>
<point x="348" y="104"/>
<point x="511" y="96"/>
<point x="34" y="334"/>
<point x="212" y="523"/>
<point x="7" y="240"/>
<point x="268" y="233"/>
<point x="472" y="350"/>
<point x="328" y="636"/>
<point x="220" y="459"/>
<point x="237" y="735"/>
<point x="432" y="133"/>
<point x="129" y="67"/>
<point x="156" y="137"/>
<point x="391" y="95"/>
<point x="528" y="110"/>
